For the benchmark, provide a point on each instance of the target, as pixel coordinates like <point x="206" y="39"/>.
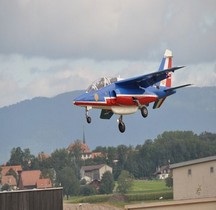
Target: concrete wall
<point x="195" y="204"/>
<point x="195" y="181"/>
<point x="104" y="169"/>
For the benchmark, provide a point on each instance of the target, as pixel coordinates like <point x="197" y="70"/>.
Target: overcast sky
<point x="49" y="46"/>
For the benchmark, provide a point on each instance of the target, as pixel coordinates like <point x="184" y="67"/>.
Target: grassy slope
<point x="140" y="188"/>
<point x="143" y="186"/>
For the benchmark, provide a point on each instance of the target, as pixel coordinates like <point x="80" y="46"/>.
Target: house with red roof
<point x="5" y="169"/>
<point x="31" y="179"/>
<point x="9" y="175"/>
<point x="84" y="150"/>
<point x="10" y="180"/>
<point x="43" y="183"/>
<point x="28" y="179"/>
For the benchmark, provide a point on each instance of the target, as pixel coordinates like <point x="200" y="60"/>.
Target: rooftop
<point x="192" y="162"/>
<point x="9" y="179"/>
<point x="5" y="169"/>
<point x="44" y="183"/>
<point x="29" y="178"/>
<point x="92" y="167"/>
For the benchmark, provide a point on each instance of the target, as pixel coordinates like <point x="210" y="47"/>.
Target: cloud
<point x="129" y="29"/>
<point x="24" y="78"/>
<point x="51" y="46"/>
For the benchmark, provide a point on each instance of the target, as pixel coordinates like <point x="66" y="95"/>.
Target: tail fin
<point x="165" y="64"/>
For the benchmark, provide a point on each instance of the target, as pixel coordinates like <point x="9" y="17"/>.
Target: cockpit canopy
<point x="102" y="82"/>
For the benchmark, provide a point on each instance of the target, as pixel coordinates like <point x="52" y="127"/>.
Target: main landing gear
<point x="144" y="111"/>
<point x="121" y="124"/>
<point x="143" y="108"/>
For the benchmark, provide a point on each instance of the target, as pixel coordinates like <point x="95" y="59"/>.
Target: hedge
<point x="128" y="197"/>
<point x="150" y="196"/>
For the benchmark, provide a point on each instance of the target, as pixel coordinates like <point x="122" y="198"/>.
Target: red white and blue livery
<point x="126" y="96"/>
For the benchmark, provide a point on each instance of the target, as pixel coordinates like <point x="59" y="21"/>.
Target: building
<point x="9" y="175"/>
<point x="94" y="172"/>
<point x="32" y="179"/>
<point x="28" y="179"/>
<point x="43" y="156"/>
<point x="43" y="183"/>
<point x="162" y="172"/>
<point x="84" y="150"/>
<point x="10" y="180"/>
<point x="6" y="169"/>
<point x="95" y="184"/>
<point x="194" y="179"/>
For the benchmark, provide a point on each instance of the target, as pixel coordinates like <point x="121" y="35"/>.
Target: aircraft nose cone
<point x="78" y="100"/>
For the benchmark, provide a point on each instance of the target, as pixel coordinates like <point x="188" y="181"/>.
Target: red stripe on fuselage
<point x="119" y="100"/>
<point x="129" y="101"/>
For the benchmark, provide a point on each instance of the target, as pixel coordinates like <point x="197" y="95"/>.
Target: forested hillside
<point x="141" y="161"/>
<point x="44" y="124"/>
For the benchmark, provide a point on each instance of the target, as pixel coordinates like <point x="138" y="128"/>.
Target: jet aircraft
<point x="126" y="96"/>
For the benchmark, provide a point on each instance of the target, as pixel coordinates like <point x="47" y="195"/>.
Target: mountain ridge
<point x="45" y="124"/>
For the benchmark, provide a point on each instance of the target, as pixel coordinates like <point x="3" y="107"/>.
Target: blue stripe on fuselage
<point x="113" y="89"/>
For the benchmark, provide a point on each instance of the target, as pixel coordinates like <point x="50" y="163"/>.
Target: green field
<point x="142" y="190"/>
<point x="143" y="186"/>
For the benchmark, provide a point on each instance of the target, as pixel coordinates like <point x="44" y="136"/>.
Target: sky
<point x="48" y="47"/>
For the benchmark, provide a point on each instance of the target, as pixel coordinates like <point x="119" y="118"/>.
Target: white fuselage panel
<point x="123" y="110"/>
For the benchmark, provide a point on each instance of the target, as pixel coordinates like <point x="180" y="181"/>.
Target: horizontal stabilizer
<point x="160" y="101"/>
<point x="174" y="88"/>
<point x="106" y="114"/>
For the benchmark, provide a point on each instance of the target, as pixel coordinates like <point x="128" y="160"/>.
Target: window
<point x="100" y="83"/>
<point x="189" y="171"/>
<point x="211" y="169"/>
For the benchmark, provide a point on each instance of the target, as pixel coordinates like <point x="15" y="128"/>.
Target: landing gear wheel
<point x="144" y="111"/>
<point x="121" y="126"/>
<point x="88" y="119"/>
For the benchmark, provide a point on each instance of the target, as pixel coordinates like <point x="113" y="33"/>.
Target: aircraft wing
<point x="106" y="114"/>
<point x="147" y="79"/>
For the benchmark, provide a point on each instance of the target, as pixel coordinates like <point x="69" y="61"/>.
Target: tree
<point x="87" y="190"/>
<point x="69" y="181"/>
<point x="16" y="157"/>
<point x="6" y="187"/>
<point x="107" y="183"/>
<point x="111" y="155"/>
<point x="124" y="182"/>
<point x="49" y="173"/>
<point x="22" y="157"/>
<point x="169" y="181"/>
<point x="59" y="159"/>
<point x="27" y="159"/>
<point x="122" y="154"/>
<point x="13" y="173"/>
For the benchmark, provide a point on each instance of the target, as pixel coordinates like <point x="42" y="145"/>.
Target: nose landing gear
<point x="88" y="118"/>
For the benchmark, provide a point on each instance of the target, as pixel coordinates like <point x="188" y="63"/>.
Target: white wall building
<point x="194" y="179"/>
